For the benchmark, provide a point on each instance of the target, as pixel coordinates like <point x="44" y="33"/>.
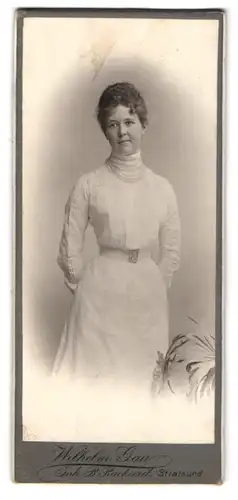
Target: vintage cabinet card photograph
<point x="118" y="270"/>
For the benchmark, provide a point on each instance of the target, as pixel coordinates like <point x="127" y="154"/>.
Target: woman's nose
<point x="121" y="129"/>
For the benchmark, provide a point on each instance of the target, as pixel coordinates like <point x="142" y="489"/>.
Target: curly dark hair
<point x="124" y="94"/>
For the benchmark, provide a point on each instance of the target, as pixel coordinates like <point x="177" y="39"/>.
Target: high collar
<point x="129" y="168"/>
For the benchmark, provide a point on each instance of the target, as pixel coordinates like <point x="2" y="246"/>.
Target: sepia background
<point x="66" y="65"/>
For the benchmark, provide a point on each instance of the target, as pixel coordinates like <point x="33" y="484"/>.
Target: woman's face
<point x="124" y="131"/>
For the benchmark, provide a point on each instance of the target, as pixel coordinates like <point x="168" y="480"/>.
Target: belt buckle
<point x="133" y="256"/>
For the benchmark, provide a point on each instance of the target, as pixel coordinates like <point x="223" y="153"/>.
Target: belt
<point x="128" y="255"/>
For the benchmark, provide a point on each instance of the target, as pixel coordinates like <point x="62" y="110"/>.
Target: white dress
<point x="118" y="318"/>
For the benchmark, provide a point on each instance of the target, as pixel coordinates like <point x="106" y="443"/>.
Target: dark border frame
<point x="37" y="461"/>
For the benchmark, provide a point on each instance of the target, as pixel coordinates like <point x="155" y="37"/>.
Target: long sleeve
<point x="170" y="238"/>
<point x="72" y="239"/>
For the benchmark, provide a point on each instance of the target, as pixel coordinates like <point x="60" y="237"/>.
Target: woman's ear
<point x="105" y="132"/>
<point x="144" y="128"/>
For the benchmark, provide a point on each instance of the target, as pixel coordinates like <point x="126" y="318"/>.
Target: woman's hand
<point x="71" y="286"/>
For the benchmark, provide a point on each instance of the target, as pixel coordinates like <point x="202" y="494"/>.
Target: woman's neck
<point x="128" y="167"/>
<point x="125" y="156"/>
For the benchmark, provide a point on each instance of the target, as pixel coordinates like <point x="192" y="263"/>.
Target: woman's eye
<point x="112" y="125"/>
<point x="129" y="122"/>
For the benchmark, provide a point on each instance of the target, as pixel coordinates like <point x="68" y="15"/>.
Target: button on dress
<point x="118" y="318"/>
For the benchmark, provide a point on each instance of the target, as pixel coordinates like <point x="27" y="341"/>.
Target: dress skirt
<point x="117" y="322"/>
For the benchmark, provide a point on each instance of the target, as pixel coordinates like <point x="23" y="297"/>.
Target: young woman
<point x="118" y="318"/>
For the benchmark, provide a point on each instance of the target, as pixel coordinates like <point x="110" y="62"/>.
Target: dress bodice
<point x="124" y="215"/>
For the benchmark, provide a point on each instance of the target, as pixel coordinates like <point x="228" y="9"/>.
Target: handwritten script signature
<point x="85" y="461"/>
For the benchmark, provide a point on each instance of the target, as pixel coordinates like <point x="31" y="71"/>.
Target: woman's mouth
<point x="124" y="141"/>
